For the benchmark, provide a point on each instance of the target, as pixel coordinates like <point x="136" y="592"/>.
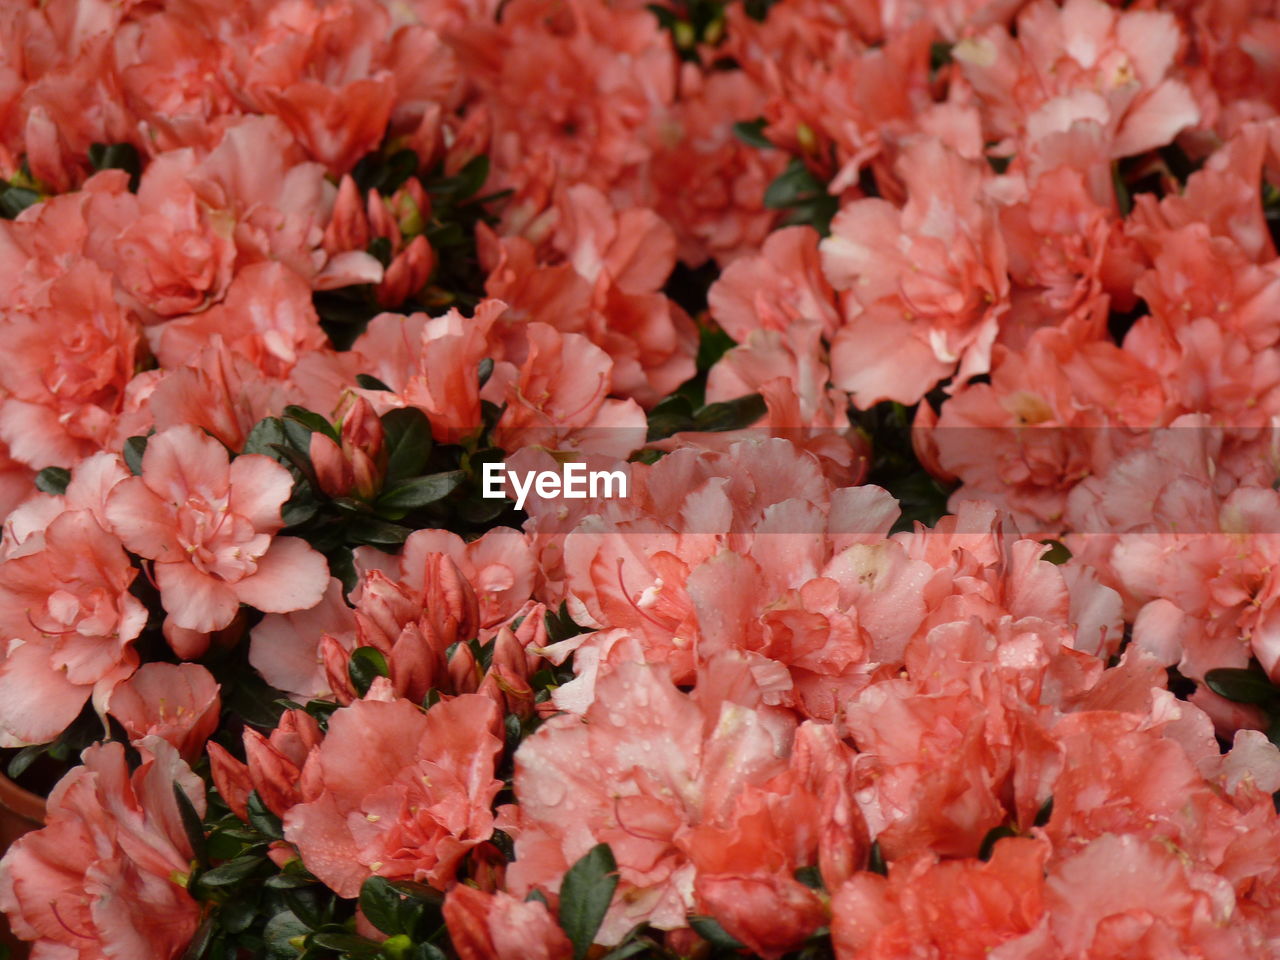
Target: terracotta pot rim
<point x="20" y="801"/>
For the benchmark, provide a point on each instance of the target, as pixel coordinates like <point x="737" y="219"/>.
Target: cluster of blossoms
<point x="934" y="347"/>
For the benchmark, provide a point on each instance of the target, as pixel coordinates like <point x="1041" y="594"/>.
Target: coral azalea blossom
<point x="208" y="523"/>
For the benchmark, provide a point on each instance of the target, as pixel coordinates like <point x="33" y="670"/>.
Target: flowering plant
<point x="928" y="357"/>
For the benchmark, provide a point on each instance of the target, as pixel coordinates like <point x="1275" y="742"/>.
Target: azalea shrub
<point x="920" y="364"/>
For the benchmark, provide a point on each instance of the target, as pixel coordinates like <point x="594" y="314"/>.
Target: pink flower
<point x="955" y="908"/>
<point x="176" y="702"/>
<point x="219" y="390"/>
<point x="709" y="184"/>
<point x="583" y="85"/>
<point x="396" y="792"/>
<point x="71" y="358"/>
<point x="285" y="647"/>
<point x="431" y="363"/>
<point x="802" y="818"/>
<point x="1095" y="909"/>
<point x="358" y="466"/>
<point x="274" y="765"/>
<point x="548" y="407"/>
<point x="267" y="318"/>
<point x="1081" y="61"/>
<point x="927" y="284"/>
<point x="497" y="926"/>
<point x="637" y="770"/>
<point x="177" y="256"/>
<point x="107" y="875"/>
<point x="66" y="607"/>
<point x="208" y="524"/>
<point x="781" y="285"/>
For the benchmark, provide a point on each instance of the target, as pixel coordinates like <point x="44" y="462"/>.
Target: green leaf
<point x="666" y="17"/>
<point x="291" y="456"/>
<point x="262" y="819"/>
<point x="1241" y="686"/>
<point x="299" y="508"/>
<point x="117" y="156"/>
<point x="407" y="433"/>
<point x="192" y="824"/>
<point x="231" y="872"/>
<point x="466" y="182"/>
<point x="400" y="166"/>
<point x="810" y="876"/>
<point x="421" y="491"/>
<point x="628" y="950"/>
<point x="1044" y="813"/>
<point x="419" y="914"/>
<point x="280" y="930"/>
<point x="346" y="943"/>
<point x="380" y="249"/>
<point x="371" y="383"/>
<point x="134" y="448"/>
<point x="13" y="200"/>
<point x="751" y="132"/>
<point x="671" y="415"/>
<point x="585" y="894"/>
<point x="266" y="435"/>
<point x="200" y="942"/>
<point x="485" y="371"/>
<point x="994" y="836"/>
<point x="730" y="414"/>
<point x="713" y="343"/>
<point x="322" y="710"/>
<point x="365" y="666"/>
<point x="794" y="184"/>
<point x="21" y="760"/>
<point x="1124" y="201"/>
<point x="312" y="421"/>
<point x="53" y="480"/>
<point x="1057" y="552"/>
<point x="709" y="929"/>
<point x="375" y="532"/>
<point x="284" y="881"/>
<point x="237" y="915"/>
<point x="380" y="903"/>
<point x="875" y="861"/>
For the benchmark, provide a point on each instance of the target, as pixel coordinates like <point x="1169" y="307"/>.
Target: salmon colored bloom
<point x="926" y="285"/>
<point x="804" y="818"/>
<point x="107" y="874"/>
<point x="1081" y="61"/>
<point x="208" y="524"/>
<point x="497" y="926"/>
<point x="397" y="792"/>
<point x="642" y="765"/>
<point x="177" y="702"/>
<point x="274" y="765"/>
<point x="71" y="360"/>
<point x="66" y="607"/>
<point x="962" y="909"/>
